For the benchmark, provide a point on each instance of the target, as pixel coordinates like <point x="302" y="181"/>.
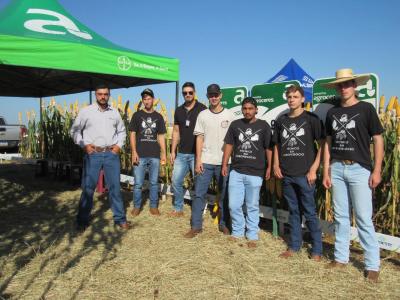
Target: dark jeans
<point x="200" y="202"/>
<point x="300" y="198"/>
<point x="111" y="166"/>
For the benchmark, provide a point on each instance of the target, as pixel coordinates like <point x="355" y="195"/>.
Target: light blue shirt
<point x="102" y="128"/>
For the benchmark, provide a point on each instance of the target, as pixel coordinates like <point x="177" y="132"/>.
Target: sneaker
<point x="192" y="233"/>
<point x="175" y="214"/>
<point x="154" y="211"/>
<point x="135" y="212"/>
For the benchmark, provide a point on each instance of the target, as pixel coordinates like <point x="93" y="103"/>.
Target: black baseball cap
<point x="213" y="89"/>
<point x="147" y="92"/>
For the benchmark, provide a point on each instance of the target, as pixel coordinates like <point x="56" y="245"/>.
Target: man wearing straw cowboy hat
<point x="350" y="125"/>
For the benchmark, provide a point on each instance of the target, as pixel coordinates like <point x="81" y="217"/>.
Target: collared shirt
<point x="102" y="128"/>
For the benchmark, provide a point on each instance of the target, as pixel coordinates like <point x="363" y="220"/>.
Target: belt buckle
<point x="348" y="161"/>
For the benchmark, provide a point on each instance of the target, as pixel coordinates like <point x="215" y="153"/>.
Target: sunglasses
<point x="188" y="93"/>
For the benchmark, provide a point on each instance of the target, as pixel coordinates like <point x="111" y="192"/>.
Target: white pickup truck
<point x="10" y="135"/>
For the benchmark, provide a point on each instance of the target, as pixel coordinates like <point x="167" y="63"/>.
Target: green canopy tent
<point x="45" y="52"/>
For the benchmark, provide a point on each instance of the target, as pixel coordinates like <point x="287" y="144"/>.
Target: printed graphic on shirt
<point x="247" y="139"/>
<point x="343" y="125"/>
<point x="292" y="135"/>
<point x="149" y="129"/>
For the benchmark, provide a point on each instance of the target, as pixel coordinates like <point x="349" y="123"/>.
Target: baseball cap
<point x="147" y="92"/>
<point x="213" y="89"/>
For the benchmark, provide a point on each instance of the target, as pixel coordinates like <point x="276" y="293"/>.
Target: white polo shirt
<point x="213" y="126"/>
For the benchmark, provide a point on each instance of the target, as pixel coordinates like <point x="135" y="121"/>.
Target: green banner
<point x="323" y="98"/>
<point x="232" y="98"/>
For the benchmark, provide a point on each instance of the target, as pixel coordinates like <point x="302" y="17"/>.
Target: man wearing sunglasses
<point x="182" y="157"/>
<point x="210" y="130"/>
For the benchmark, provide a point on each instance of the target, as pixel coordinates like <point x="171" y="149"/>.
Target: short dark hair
<point x="101" y="86"/>
<point x="293" y="89"/>
<point x="250" y="100"/>
<point x="188" y="84"/>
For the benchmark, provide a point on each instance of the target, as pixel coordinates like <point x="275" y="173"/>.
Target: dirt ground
<point x="43" y="257"/>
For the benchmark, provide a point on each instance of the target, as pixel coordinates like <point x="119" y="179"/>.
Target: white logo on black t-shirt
<point x="343" y="125"/>
<point x="247" y="138"/>
<point x="148" y="126"/>
<point x="293" y="134"/>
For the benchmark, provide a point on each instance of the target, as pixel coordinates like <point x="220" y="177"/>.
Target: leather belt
<point x="102" y="149"/>
<point x="345" y="161"/>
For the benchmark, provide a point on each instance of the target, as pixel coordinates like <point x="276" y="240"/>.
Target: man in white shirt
<point x="99" y="130"/>
<point x="210" y="130"/>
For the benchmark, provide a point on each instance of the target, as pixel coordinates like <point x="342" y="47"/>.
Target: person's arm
<point x="135" y="156"/>
<point x="375" y="177"/>
<point x="277" y="168"/>
<point x="175" y="142"/>
<point x="161" y="142"/>
<point x="121" y="136"/>
<point x="77" y="133"/>
<point x="228" y="149"/>
<point x="326" y="180"/>
<point x="312" y="173"/>
<point x="199" y="149"/>
<point x="268" y="153"/>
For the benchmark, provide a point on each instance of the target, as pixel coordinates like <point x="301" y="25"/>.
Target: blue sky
<point x="243" y="42"/>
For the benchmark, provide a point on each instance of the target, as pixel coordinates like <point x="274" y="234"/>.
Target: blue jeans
<point x="300" y="198"/>
<point x="152" y="165"/>
<point x="92" y="166"/>
<point x="199" y="202"/>
<point x="183" y="163"/>
<point x="244" y="189"/>
<point x="350" y="189"/>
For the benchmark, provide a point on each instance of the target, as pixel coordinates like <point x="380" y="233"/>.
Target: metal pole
<point x="90" y="97"/>
<point x="41" y="138"/>
<point x="176" y="94"/>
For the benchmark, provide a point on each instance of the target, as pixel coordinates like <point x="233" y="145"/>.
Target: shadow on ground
<point x="34" y="218"/>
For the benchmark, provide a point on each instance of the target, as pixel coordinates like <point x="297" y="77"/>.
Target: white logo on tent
<point x="124" y="63"/>
<point x="63" y="21"/>
<point x="280" y="78"/>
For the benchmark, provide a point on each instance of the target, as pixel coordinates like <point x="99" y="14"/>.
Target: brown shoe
<point x="286" y="254"/>
<point x="252" y="244"/>
<point x="372" y="276"/>
<point x="135" y="212"/>
<point x="224" y="230"/>
<point x="316" y="257"/>
<point x="175" y="214"/>
<point x="154" y="211"/>
<point x="192" y="233"/>
<point x="124" y="226"/>
<point x="335" y="265"/>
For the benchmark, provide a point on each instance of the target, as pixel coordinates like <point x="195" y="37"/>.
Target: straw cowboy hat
<point x="344" y="75"/>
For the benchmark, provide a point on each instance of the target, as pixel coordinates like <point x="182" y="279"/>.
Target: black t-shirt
<point x="351" y="129"/>
<point x="147" y="126"/>
<point x="186" y="120"/>
<point x="249" y="142"/>
<point x="295" y="139"/>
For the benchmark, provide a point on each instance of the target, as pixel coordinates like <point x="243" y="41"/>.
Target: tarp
<point x="292" y="71"/>
<point x="45" y="51"/>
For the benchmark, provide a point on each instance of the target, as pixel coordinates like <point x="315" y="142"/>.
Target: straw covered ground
<point x="42" y="256"/>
